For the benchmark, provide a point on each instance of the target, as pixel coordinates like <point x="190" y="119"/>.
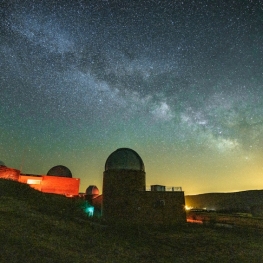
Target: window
<point x="33" y="181"/>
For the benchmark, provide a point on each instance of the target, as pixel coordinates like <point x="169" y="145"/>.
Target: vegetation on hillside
<point x="245" y="201"/>
<point x="38" y="227"/>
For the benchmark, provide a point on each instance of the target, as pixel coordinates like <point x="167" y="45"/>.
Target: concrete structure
<point x="45" y="183"/>
<point x="125" y="197"/>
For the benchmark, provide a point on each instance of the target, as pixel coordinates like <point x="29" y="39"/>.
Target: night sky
<point x="179" y="82"/>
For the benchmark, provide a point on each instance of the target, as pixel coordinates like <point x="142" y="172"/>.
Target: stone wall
<point x="160" y="207"/>
<point x="125" y="199"/>
<point x="119" y="189"/>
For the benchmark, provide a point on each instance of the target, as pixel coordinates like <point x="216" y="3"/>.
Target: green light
<point x="89" y="209"/>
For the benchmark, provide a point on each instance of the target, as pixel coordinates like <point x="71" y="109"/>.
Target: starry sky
<point x="179" y="82"/>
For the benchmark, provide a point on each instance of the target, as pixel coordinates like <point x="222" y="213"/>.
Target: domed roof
<point x="60" y="170"/>
<point x="92" y="190"/>
<point x="124" y="159"/>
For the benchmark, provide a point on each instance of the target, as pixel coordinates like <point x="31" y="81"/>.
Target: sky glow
<point x="179" y="82"/>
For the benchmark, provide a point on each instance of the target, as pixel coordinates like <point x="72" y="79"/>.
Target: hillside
<point x="38" y="227"/>
<point x="237" y="201"/>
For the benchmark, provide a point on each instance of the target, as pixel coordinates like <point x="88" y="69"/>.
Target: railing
<point x="173" y="189"/>
<point x="165" y="189"/>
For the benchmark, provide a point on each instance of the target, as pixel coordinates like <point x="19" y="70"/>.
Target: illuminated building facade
<point x="55" y="184"/>
<point x="125" y="197"/>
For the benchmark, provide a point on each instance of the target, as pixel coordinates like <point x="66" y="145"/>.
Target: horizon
<point x="82" y="190"/>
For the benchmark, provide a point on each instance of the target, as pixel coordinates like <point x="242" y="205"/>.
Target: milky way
<point x="180" y="82"/>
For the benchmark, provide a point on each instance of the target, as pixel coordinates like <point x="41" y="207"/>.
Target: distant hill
<point x="245" y="201"/>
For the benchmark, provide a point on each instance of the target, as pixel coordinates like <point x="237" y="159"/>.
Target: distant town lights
<point x="187" y="207"/>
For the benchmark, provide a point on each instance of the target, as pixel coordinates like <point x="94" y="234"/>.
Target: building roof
<point x="92" y="190"/>
<point x="60" y="170"/>
<point x="124" y="159"/>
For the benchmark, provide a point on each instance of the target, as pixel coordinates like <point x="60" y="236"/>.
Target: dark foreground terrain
<point x="36" y="227"/>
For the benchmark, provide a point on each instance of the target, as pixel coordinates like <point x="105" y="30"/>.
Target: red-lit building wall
<point x="9" y="173"/>
<point x="52" y="184"/>
<point x="32" y="180"/>
<point x="60" y="185"/>
<point x="47" y="184"/>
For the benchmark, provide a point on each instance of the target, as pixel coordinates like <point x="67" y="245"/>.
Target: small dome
<point x="92" y="190"/>
<point x="124" y="159"/>
<point x="60" y="170"/>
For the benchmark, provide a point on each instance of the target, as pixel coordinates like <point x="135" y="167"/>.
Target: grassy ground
<point x="36" y="227"/>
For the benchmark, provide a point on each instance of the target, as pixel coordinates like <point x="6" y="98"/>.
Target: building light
<point x="89" y="210"/>
<point x="187" y="208"/>
<point x="33" y="181"/>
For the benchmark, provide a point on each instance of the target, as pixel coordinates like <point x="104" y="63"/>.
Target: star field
<point x="180" y="82"/>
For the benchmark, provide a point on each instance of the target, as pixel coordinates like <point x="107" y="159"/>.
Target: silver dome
<point x="60" y="170"/>
<point x="124" y="159"/>
<point x="92" y="190"/>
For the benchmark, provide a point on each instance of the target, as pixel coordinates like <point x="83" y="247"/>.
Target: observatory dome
<point x="60" y="170"/>
<point x="124" y="159"/>
<point x="92" y="190"/>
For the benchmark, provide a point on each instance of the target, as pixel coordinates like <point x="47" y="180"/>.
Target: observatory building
<point x="125" y="197"/>
<point x="58" y="180"/>
<point x="94" y="198"/>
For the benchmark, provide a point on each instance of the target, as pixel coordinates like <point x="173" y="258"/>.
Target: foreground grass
<point x="35" y="227"/>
